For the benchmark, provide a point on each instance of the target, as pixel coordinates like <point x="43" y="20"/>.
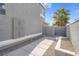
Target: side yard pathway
<point x="43" y="46"/>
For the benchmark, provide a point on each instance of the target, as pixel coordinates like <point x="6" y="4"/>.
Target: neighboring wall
<point x="74" y="35"/>
<point x="54" y="31"/>
<point x="49" y="31"/>
<point x="21" y="19"/>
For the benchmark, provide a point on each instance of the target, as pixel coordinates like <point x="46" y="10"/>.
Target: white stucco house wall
<point x="21" y="19"/>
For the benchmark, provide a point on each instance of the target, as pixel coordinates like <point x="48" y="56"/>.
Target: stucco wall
<point x="21" y="19"/>
<point x="74" y="35"/>
<point x="29" y="17"/>
<point x="5" y="27"/>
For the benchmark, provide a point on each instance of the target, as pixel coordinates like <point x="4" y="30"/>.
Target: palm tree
<point x="61" y="17"/>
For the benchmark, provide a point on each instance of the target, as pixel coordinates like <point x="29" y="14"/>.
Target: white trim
<point x="66" y="51"/>
<point x="58" y="44"/>
<point x="42" y="15"/>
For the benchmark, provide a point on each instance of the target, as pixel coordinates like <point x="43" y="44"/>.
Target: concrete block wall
<point x="54" y="31"/>
<point x="49" y="31"/>
<point x="74" y="35"/>
<point x="60" y="31"/>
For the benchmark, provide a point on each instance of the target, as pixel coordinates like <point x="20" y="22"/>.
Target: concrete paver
<point x="51" y="50"/>
<point x="38" y="51"/>
<point x="42" y="47"/>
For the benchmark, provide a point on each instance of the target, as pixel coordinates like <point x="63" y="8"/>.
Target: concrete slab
<point x="18" y="52"/>
<point x="37" y="41"/>
<point x="31" y="46"/>
<point x="35" y="48"/>
<point x="43" y="46"/>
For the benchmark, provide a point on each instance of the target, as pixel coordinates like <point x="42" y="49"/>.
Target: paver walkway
<point x="41" y="48"/>
<point x="25" y="49"/>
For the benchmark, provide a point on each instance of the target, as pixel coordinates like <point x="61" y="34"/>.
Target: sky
<point x="52" y="7"/>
